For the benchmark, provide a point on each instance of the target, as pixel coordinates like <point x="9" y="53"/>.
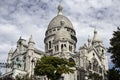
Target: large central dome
<point x="55" y="22"/>
<point x="60" y="30"/>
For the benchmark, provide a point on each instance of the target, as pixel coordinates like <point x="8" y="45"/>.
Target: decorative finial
<point x="96" y="37"/>
<point x="60" y="8"/>
<point x="11" y="51"/>
<point x="95" y="31"/>
<point x="31" y="36"/>
<point x="31" y="39"/>
<point x="89" y="40"/>
<point x="20" y="37"/>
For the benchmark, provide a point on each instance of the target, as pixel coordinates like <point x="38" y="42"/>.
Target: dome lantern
<point x="60" y="8"/>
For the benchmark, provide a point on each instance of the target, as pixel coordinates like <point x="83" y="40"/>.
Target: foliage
<point x="94" y="76"/>
<point x="26" y="77"/>
<point x="115" y="48"/>
<point x="113" y="74"/>
<point x="6" y="78"/>
<point x="53" y="67"/>
<point x="17" y="78"/>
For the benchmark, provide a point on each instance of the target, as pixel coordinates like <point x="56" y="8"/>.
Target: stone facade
<point x="23" y="58"/>
<point x="60" y="40"/>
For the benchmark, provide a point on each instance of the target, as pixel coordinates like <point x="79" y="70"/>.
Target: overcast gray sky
<point x="26" y="17"/>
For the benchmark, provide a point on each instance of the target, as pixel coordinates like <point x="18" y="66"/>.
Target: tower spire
<point x="96" y="37"/>
<point x="95" y="31"/>
<point x="31" y="39"/>
<point x="89" y="40"/>
<point x="60" y="8"/>
<point x="11" y="51"/>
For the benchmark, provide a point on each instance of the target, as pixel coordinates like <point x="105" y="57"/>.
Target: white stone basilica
<point x="60" y="40"/>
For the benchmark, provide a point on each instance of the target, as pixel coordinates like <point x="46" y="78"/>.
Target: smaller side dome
<point x="96" y="37"/>
<point x="31" y="39"/>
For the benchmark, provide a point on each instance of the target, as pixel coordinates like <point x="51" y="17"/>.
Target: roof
<point x="55" y="22"/>
<point x="96" y="37"/>
<point x="39" y="51"/>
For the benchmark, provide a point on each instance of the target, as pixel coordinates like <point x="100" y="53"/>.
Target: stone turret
<point x="10" y="53"/>
<point x="89" y="41"/>
<point x="9" y="60"/>
<point x="96" y="38"/>
<point x="29" y="56"/>
<point x="20" y="43"/>
<point x="99" y="47"/>
<point x="31" y="43"/>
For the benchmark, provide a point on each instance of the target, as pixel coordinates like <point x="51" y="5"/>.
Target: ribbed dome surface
<point x="62" y="34"/>
<point x="55" y="22"/>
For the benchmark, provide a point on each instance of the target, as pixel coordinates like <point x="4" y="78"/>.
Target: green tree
<point x="6" y="78"/>
<point x="53" y="67"/>
<point x="115" y="48"/>
<point x="25" y="77"/>
<point x="113" y="74"/>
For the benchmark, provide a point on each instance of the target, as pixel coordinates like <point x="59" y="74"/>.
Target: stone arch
<point x="50" y="45"/>
<point x="95" y="64"/>
<point x="62" y="47"/>
<point x="71" y="60"/>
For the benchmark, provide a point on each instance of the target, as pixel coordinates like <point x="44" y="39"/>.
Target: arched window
<point x="62" y="47"/>
<point x="89" y="66"/>
<point x="71" y="60"/>
<point x="100" y="70"/>
<point x="93" y="54"/>
<point x="70" y="48"/>
<point x="102" y="51"/>
<point x="46" y="46"/>
<point x="49" y="44"/>
<point x="95" y="65"/>
<point x="24" y="58"/>
<point x="57" y="48"/>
